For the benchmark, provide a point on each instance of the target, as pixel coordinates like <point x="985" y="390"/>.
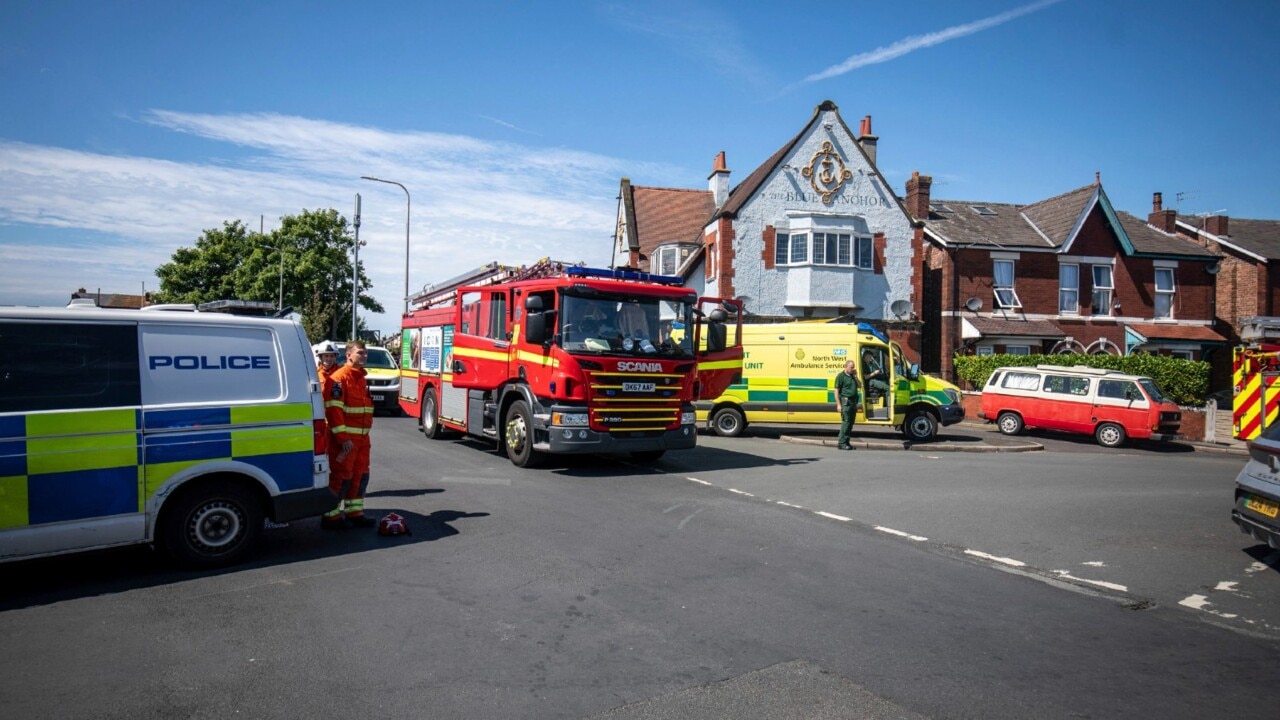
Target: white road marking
<point x="682" y="522"/>
<point x="694" y="479"/>
<point x="899" y="533"/>
<point x="741" y="492"/>
<point x="1227" y="586"/>
<point x="789" y="504"/>
<point x="993" y="558"/>
<point x="673" y="507"/>
<point x="1200" y="602"/>
<point x="1100" y="583"/>
<point x="841" y="518"/>
<point x="1094" y="563"/>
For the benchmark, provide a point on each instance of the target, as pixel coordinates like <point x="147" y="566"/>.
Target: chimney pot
<point x="1157" y="202"/>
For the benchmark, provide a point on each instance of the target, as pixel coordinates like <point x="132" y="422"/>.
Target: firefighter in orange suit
<point x="349" y="410"/>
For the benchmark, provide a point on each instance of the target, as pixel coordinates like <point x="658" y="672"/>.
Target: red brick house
<point x="1068" y="274"/>
<point x="1248" y="279"/>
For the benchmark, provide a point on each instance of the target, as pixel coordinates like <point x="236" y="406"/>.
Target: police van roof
<point x="91" y="313"/>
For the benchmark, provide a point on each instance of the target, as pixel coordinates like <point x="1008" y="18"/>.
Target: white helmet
<point x="324" y="347"/>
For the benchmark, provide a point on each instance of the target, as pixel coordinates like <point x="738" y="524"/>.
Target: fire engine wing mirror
<point x="716" y="331"/>
<point x="535" y="327"/>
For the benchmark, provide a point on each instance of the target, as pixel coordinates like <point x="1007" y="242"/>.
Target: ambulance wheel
<point x="920" y="426"/>
<point x="1010" y="423"/>
<point x="1109" y="435"/>
<point x="518" y="436"/>
<point x="431" y="416"/>
<point x="211" y="523"/>
<point x="728" y="421"/>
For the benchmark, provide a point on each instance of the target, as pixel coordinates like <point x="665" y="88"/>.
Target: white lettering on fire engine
<point x="640" y="366"/>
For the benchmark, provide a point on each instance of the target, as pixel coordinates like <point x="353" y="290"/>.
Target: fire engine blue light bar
<point x="578" y="271"/>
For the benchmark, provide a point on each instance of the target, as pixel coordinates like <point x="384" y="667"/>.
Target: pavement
<point x="980" y="437"/>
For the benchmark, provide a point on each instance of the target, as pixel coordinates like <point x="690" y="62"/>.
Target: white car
<point x="1257" y="506"/>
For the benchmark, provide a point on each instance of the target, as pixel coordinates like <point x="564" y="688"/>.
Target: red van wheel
<point x="1010" y="423"/>
<point x="1109" y="435"/>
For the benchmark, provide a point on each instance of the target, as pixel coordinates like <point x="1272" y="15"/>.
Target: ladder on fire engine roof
<point x="443" y="293"/>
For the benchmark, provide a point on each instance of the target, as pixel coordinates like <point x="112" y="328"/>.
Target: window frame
<point x="1063" y="290"/>
<point x="1011" y="300"/>
<point x="813" y="246"/>
<point x="1169" y="294"/>
<point x="1097" y="288"/>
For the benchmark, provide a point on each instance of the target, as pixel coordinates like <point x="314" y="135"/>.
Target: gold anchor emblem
<point x="826" y="172"/>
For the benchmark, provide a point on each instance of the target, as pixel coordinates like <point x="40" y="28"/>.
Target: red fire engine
<point x="1255" y="376"/>
<point x="557" y="358"/>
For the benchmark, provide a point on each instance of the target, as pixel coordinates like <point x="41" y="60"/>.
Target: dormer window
<point x="667" y="259"/>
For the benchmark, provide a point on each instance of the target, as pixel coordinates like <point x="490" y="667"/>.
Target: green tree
<point x="207" y="271"/>
<point x="236" y="263"/>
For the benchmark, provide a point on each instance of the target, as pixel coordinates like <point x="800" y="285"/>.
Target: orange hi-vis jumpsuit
<point x="349" y="410"/>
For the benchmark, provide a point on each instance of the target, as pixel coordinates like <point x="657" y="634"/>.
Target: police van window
<point x="67" y="366"/>
<point x="182" y="364"/>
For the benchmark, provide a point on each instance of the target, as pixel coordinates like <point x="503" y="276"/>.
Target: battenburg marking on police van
<point x="210" y="362"/>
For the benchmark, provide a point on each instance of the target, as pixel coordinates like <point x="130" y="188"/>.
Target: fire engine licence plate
<point x="1260" y="505"/>
<point x="377" y="398"/>
<point x="637" y="387"/>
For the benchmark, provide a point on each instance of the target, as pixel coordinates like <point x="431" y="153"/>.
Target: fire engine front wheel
<point x="211" y="523"/>
<point x="431" y="416"/>
<point x="518" y="435"/>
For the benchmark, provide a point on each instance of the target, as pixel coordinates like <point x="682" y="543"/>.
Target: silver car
<point x="1258" y="489"/>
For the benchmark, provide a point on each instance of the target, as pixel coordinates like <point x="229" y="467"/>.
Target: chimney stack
<point x="719" y="181"/>
<point x="918" y="195"/>
<point x="1216" y="224"/>
<point x="1160" y="218"/>
<point x="867" y="140"/>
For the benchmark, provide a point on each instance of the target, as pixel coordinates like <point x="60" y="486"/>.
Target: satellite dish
<point x="1213" y="269"/>
<point x="900" y="308"/>
<point x="973" y="304"/>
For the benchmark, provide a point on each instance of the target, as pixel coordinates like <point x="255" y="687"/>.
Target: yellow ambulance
<point x="788" y="376"/>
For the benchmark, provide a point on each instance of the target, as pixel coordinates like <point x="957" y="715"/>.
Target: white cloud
<point x="917" y="42"/>
<point x="71" y="218"/>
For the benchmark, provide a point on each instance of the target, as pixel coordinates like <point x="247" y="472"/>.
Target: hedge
<point x="1185" y="382"/>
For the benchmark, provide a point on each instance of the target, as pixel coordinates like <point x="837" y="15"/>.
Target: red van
<point x="1109" y="405"/>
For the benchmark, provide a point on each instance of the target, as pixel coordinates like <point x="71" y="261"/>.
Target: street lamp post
<point x="407" y="203"/>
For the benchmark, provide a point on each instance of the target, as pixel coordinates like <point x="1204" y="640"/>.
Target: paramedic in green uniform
<point x="846" y="402"/>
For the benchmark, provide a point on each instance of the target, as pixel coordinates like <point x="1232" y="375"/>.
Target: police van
<point x="186" y="430"/>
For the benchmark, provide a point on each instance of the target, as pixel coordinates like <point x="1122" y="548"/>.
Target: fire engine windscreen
<point x="633" y="325"/>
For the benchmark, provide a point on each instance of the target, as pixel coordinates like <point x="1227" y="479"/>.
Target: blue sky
<point x="130" y="127"/>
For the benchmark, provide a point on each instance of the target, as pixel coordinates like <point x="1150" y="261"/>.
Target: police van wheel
<point x="213" y="523"/>
<point x="431" y="416"/>
<point x="1109" y="435"/>
<point x="1010" y="423"/>
<point x="518" y="436"/>
<point x="728" y="422"/>
<point x="920" y="426"/>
